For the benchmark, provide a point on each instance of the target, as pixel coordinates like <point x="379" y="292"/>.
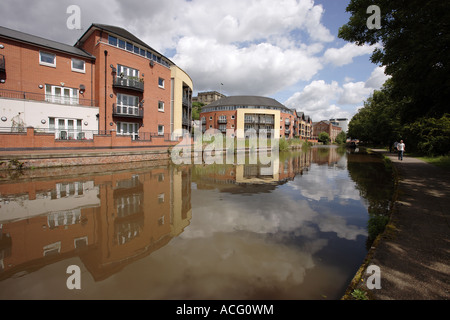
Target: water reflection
<point x="292" y="230"/>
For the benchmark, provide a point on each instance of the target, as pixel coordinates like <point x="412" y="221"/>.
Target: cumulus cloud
<point x="345" y="54"/>
<point x="323" y="100"/>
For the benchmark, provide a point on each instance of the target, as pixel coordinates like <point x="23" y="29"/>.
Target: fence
<point x="19" y="138"/>
<point x="57" y="99"/>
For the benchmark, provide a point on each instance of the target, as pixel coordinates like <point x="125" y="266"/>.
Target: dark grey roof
<point x="43" y="43"/>
<point x="246" y="101"/>
<point x="121" y="32"/>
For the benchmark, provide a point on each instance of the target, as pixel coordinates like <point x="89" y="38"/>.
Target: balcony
<point x="186" y="121"/>
<point x="222" y="120"/>
<point x="186" y="102"/>
<point x="127" y="111"/>
<point x="42" y="97"/>
<point x="2" y="63"/>
<point x="250" y="120"/>
<point x="131" y="83"/>
<point x="287" y="122"/>
<point x="287" y="131"/>
<point x="203" y="120"/>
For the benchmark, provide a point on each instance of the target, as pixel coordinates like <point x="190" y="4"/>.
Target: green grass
<point x="442" y="161"/>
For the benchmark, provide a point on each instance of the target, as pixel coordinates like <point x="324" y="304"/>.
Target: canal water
<point x="296" y="230"/>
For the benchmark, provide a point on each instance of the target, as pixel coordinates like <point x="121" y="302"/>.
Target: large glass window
<point x="63" y="95"/>
<point x="128" y="129"/>
<point x="127" y="104"/>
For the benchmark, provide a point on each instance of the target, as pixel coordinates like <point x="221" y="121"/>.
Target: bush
<point x="429" y="136"/>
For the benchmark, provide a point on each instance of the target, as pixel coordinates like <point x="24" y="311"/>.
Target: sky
<point x="283" y="49"/>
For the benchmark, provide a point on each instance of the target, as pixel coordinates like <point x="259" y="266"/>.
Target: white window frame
<point x="160" y="133"/>
<point x="161" y="103"/>
<point x="163" y="83"/>
<point x="128" y="108"/>
<point x="44" y="63"/>
<point x="132" y="129"/>
<point x="51" y="95"/>
<point x="78" y="70"/>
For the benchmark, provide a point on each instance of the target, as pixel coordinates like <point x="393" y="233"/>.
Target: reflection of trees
<point x="375" y="184"/>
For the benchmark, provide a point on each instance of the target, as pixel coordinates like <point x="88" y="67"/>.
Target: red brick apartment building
<point x="241" y="113"/>
<point x="328" y="127"/>
<point x="108" y="83"/>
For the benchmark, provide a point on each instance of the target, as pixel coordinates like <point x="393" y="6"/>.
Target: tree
<point x="378" y="121"/>
<point x="341" y="138"/>
<point x="324" y="138"/>
<point x="415" y="45"/>
<point x="196" y="110"/>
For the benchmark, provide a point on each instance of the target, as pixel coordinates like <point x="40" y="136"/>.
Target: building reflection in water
<point x="111" y="220"/>
<point x="107" y="222"/>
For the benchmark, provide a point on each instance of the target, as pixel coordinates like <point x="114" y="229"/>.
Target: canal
<point x="298" y="229"/>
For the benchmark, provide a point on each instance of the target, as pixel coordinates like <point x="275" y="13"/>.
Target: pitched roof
<point x="246" y="101"/>
<point x="43" y="43"/>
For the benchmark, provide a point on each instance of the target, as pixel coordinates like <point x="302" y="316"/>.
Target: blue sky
<point x="284" y="49"/>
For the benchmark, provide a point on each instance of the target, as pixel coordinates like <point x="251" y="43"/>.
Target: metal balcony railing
<point x="127" y="111"/>
<point x="222" y="120"/>
<point x="135" y="84"/>
<point x="186" y="121"/>
<point x="42" y="97"/>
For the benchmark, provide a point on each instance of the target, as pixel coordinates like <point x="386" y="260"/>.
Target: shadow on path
<point x="414" y="254"/>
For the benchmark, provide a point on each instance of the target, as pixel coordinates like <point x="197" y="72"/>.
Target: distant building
<point x="341" y="122"/>
<point x="328" y="127"/>
<point x="208" y="97"/>
<point x="263" y="115"/>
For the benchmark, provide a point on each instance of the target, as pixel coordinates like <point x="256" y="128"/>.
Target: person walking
<point x="401" y="150"/>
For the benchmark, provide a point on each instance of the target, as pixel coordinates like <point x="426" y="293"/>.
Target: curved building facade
<point x="237" y="114"/>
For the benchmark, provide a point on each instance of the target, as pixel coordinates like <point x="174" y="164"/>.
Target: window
<point x="128" y="129"/>
<point x="129" y="46"/>
<point x="78" y="65"/>
<point x="210" y="118"/>
<point x="127" y="105"/>
<point x="160" y="130"/>
<point x="161" y="82"/>
<point x="121" y="43"/>
<point x="160" y="106"/>
<point x="142" y="52"/>
<point x="232" y="117"/>
<point x="136" y="49"/>
<point x="61" y="95"/>
<point x="112" y="41"/>
<point x="47" y="59"/>
<point x="126" y="72"/>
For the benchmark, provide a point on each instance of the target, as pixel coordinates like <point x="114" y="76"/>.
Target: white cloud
<point x="260" y="69"/>
<point x="323" y="100"/>
<point x="316" y="100"/>
<point x="345" y="55"/>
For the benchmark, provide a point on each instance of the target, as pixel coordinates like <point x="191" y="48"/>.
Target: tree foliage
<point x="341" y="138"/>
<point x="415" y="44"/>
<point x="414" y="47"/>
<point x="324" y="138"/>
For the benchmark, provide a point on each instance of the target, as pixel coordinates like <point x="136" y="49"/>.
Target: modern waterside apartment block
<point x="238" y="114"/>
<point x="108" y="81"/>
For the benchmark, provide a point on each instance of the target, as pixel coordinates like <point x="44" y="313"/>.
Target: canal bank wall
<point x="411" y="255"/>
